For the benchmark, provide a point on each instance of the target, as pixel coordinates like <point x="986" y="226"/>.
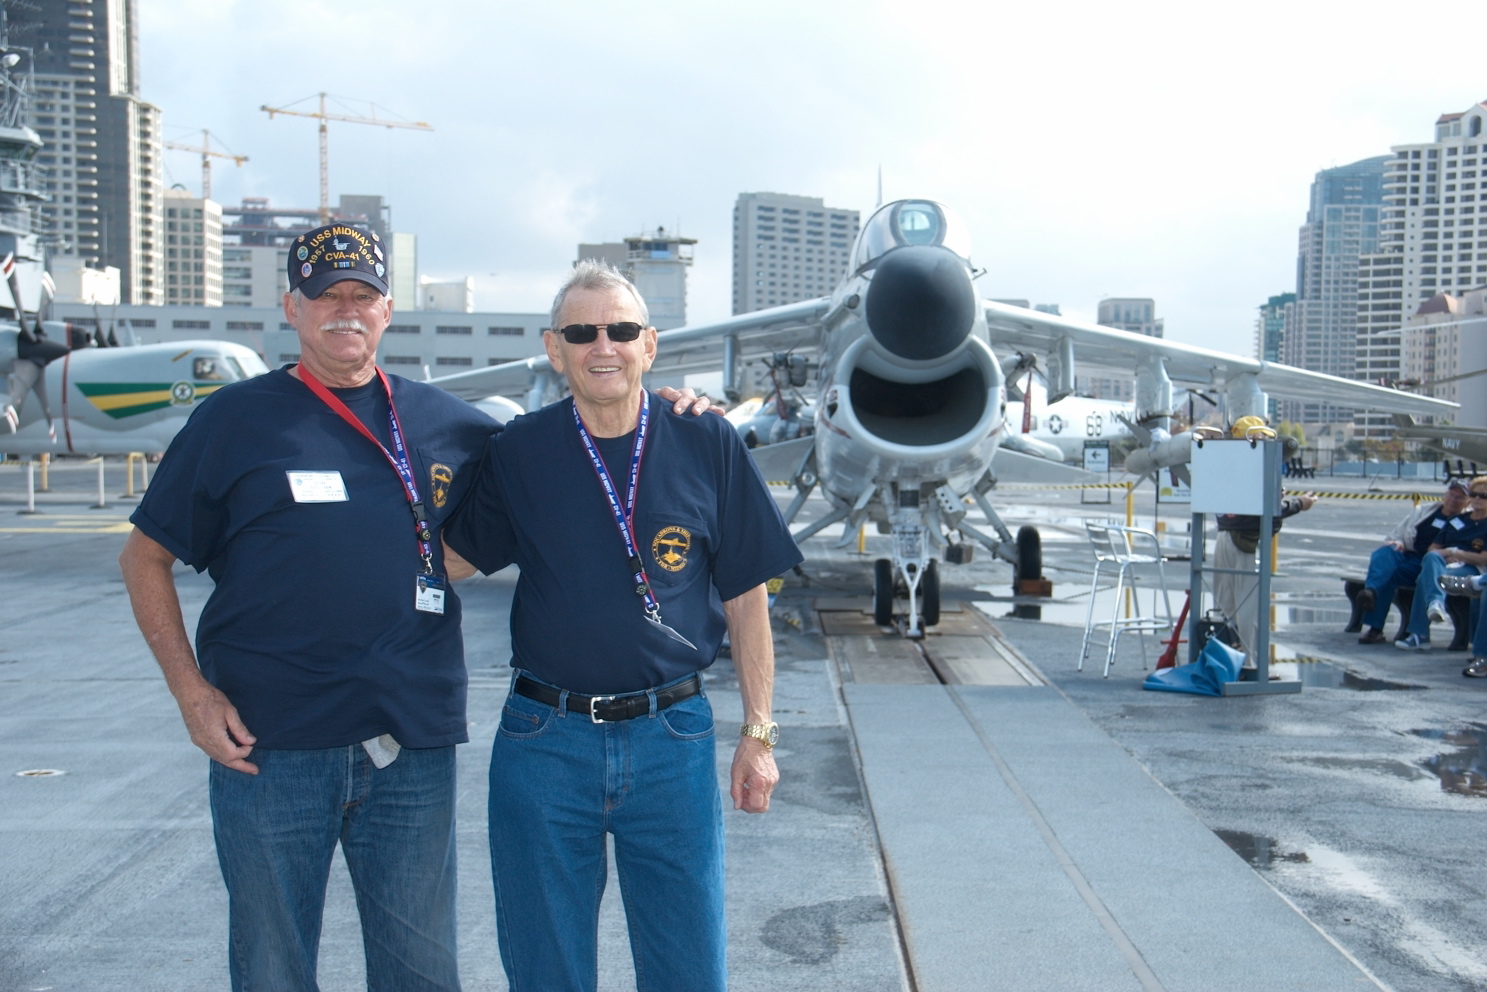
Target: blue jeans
<point x="558" y="783"/>
<point x="1479" y="634"/>
<point x="276" y="832"/>
<point x="1388" y="569"/>
<point x="1428" y="590"/>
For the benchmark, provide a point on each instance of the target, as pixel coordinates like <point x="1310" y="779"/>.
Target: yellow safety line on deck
<point x="45" y="523"/>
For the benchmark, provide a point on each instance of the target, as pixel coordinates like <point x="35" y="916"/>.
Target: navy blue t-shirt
<point x="708" y="530"/>
<point x="311" y="631"/>
<point x="1430" y="530"/>
<point x="1465" y="533"/>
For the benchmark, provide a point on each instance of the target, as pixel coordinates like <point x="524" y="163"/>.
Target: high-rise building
<point x="449" y="296"/>
<point x="1270" y="327"/>
<point x="1446" y="333"/>
<point x="1277" y="320"/>
<point x="657" y="264"/>
<point x="787" y="248"/>
<point x="1134" y="314"/>
<point x="193" y="249"/>
<point x="1428" y="242"/>
<point x="256" y="234"/>
<point x="102" y="140"/>
<point x="402" y="268"/>
<point x="1342" y="224"/>
<point x="253" y="275"/>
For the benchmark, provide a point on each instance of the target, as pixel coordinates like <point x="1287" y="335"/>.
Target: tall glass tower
<point x="1342" y="223"/>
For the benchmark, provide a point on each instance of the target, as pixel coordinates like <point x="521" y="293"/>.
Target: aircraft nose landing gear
<point x="921" y="587"/>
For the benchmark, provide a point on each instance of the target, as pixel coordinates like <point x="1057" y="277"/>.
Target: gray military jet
<point x="910" y="412"/>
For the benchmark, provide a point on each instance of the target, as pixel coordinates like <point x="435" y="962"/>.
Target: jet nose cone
<point x="920" y="304"/>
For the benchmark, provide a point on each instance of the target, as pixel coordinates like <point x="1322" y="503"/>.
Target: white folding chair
<point x="1102" y="540"/>
<point x="1134" y="551"/>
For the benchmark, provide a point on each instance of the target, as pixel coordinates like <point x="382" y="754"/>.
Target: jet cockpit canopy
<point x="909" y="222"/>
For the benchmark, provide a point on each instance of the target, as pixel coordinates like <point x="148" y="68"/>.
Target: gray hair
<point x="593" y="274"/>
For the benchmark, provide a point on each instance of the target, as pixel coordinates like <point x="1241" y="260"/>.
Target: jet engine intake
<point x="919" y="413"/>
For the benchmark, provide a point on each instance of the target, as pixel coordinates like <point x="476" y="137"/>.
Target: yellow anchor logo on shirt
<point x="670" y="548"/>
<point x="441" y="476"/>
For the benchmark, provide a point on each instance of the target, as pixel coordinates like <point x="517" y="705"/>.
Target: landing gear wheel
<point x="883" y="592"/>
<point x="929" y="594"/>
<point x="1029" y="556"/>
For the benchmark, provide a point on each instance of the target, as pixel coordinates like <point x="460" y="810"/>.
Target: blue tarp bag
<point x="1218" y="663"/>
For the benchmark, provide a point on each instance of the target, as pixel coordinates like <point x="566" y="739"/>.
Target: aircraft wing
<point x="695" y="348"/>
<point x="1017" y="329"/>
<point x="1406" y="427"/>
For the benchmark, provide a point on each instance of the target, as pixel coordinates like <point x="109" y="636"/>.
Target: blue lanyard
<point x="624" y="517"/>
<point x="400" y="462"/>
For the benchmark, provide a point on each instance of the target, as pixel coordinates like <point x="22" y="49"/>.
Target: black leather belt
<point x="609" y="709"/>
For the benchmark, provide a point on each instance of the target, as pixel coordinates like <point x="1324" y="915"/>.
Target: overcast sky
<point x="1094" y="149"/>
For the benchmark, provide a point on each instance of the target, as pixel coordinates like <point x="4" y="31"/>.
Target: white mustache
<point x="344" y="325"/>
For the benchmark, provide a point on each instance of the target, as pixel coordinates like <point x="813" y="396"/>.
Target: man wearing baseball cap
<point x="328" y="679"/>
<point x="1397" y="561"/>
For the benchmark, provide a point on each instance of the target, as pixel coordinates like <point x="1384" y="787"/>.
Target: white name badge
<point x="428" y="593"/>
<point x="317" y="487"/>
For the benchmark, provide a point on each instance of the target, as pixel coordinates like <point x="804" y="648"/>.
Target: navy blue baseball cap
<point x="320" y="258"/>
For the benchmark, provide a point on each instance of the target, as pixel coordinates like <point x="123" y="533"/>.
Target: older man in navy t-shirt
<point x="642" y="537"/>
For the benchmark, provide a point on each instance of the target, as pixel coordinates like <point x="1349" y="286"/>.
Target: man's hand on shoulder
<point x="216" y="728"/>
<point x="754" y="776"/>
<point x="683" y="399"/>
<point x="455" y="566"/>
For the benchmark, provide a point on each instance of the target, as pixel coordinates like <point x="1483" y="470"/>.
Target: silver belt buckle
<point x="594" y="702"/>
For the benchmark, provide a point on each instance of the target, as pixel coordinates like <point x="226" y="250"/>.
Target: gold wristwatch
<point x="767" y="734"/>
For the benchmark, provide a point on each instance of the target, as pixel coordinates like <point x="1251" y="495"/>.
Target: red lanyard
<point x="399" y="462"/>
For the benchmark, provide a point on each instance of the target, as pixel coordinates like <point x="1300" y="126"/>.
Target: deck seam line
<point x="1132" y="954"/>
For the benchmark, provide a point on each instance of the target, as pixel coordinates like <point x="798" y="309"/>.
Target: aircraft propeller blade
<point x="1027" y="404"/>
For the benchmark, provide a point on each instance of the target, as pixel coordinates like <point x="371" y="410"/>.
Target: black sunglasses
<point x="1476" y="495"/>
<point x="625" y="330"/>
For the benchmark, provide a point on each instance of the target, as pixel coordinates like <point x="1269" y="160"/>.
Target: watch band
<point x="767" y="734"/>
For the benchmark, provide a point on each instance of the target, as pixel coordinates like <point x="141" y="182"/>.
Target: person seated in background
<point x="1397" y="562"/>
<point x="1461" y="549"/>
<point x="1471" y="585"/>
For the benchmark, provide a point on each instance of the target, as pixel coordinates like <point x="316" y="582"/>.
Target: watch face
<point x="771" y="734"/>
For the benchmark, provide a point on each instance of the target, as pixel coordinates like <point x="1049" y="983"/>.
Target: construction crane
<point x="322" y="116"/>
<point x="207" y="154"/>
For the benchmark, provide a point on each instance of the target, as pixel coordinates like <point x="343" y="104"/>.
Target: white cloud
<point x="1140" y="149"/>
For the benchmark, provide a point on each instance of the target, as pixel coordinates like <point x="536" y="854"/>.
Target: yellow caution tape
<point x="1319" y="495"/>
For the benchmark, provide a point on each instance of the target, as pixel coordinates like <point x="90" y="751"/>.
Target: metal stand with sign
<point x="1096" y="460"/>
<point x="1237" y="477"/>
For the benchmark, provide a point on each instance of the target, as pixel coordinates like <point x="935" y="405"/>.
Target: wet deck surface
<point x="966" y="812"/>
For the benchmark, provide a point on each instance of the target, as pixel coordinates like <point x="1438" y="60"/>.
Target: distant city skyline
<point x="1149" y="164"/>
